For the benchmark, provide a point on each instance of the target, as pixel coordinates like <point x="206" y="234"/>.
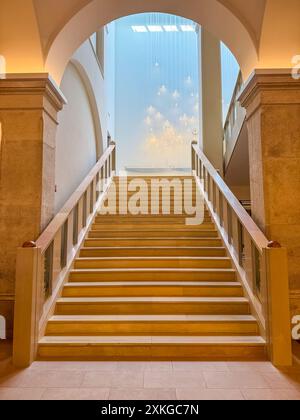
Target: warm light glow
<point x="140" y="29"/>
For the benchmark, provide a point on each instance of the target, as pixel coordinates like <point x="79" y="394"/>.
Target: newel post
<point x="277" y="305"/>
<point x="26" y="319"/>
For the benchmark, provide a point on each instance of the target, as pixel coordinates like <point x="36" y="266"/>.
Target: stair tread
<point x="200" y="248"/>
<point x="149" y="283"/>
<point x="176" y="238"/>
<point x="153" y="318"/>
<point x="172" y="340"/>
<point x="153" y="300"/>
<point x="176" y="258"/>
<point x="153" y="270"/>
<point x="153" y="230"/>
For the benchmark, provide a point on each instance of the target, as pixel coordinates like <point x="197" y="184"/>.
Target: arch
<point x="93" y="104"/>
<point x="211" y="14"/>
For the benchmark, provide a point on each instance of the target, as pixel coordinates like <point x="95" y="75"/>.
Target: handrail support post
<point x="26" y="318"/>
<point x="277" y="306"/>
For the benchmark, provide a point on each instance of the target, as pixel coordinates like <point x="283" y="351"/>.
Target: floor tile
<point x="200" y="366"/>
<point x="174" y="379"/>
<point x="195" y="394"/>
<point x="16" y="394"/>
<point x="281" y="380"/>
<point x="262" y="367"/>
<point x="142" y="394"/>
<point x="234" y="380"/>
<point x="51" y="379"/>
<point x="159" y="366"/>
<point x="119" y="379"/>
<point x="131" y="366"/>
<point x="79" y="394"/>
<point x="271" y="394"/>
<point x="78" y="366"/>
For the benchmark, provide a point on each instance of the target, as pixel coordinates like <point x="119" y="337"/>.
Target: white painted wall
<point x="82" y="131"/>
<point x="76" y="139"/>
<point x="110" y="77"/>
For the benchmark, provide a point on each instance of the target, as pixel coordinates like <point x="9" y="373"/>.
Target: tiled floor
<point x="149" y="381"/>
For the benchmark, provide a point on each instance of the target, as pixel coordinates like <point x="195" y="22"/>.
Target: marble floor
<point x="149" y="381"/>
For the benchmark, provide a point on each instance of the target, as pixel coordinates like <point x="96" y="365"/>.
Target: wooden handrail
<point x="257" y="236"/>
<point x="48" y="235"/>
<point x="43" y="266"/>
<point x="261" y="266"/>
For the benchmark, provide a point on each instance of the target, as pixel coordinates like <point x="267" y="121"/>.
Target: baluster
<point x="109" y="167"/>
<point x="214" y="194"/>
<point x="102" y="180"/>
<point x="92" y="197"/>
<point x="256" y="270"/>
<point x="84" y="210"/>
<point x="48" y="271"/>
<point x="200" y="170"/>
<point x="209" y="187"/>
<point x="97" y="186"/>
<point x="64" y="245"/>
<point x="235" y="234"/>
<point x="205" y="180"/>
<point x="229" y="224"/>
<point x="221" y="209"/>
<point x="106" y="173"/>
<point x="241" y="244"/>
<point x="193" y="159"/>
<point x="114" y="167"/>
<point x="75" y="224"/>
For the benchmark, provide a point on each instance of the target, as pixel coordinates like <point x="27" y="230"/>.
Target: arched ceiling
<point x="250" y="13"/>
<point x="42" y="35"/>
<point x="229" y="20"/>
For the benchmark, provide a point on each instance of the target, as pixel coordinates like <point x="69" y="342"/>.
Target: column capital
<point x="31" y="91"/>
<point x="270" y="87"/>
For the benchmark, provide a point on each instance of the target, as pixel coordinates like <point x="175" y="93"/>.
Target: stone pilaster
<point x="29" y="105"/>
<point x="272" y="101"/>
<point x="211" y="135"/>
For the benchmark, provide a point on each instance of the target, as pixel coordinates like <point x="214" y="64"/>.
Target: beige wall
<point x="79" y="137"/>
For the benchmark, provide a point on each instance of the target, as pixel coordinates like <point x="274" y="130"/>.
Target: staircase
<point x="148" y="287"/>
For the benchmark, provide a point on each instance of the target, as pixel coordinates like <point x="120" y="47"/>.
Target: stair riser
<point x="152" y="308"/>
<point x="153" y="234"/>
<point x="151" y="276"/>
<point x="135" y="252"/>
<point x="154" y="227"/>
<point x="115" y="212"/>
<point x="144" y="291"/>
<point x="126" y="242"/>
<point x="120" y="264"/>
<point x="150" y="329"/>
<point x="150" y="220"/>
<point x="155" y="352"/>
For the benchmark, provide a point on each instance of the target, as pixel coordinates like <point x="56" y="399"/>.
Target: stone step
<point x="174" y="325"/>
<point x="152" y="306"/>
<point x="156" y="348"/>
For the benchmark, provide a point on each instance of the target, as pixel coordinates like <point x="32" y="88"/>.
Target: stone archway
<point x="211" y="14"/>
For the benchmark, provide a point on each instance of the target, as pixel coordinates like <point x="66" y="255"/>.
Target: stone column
<point x="211" y="131"/>
<point x="29" y="105"/>
<point x="272" y="101"/>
